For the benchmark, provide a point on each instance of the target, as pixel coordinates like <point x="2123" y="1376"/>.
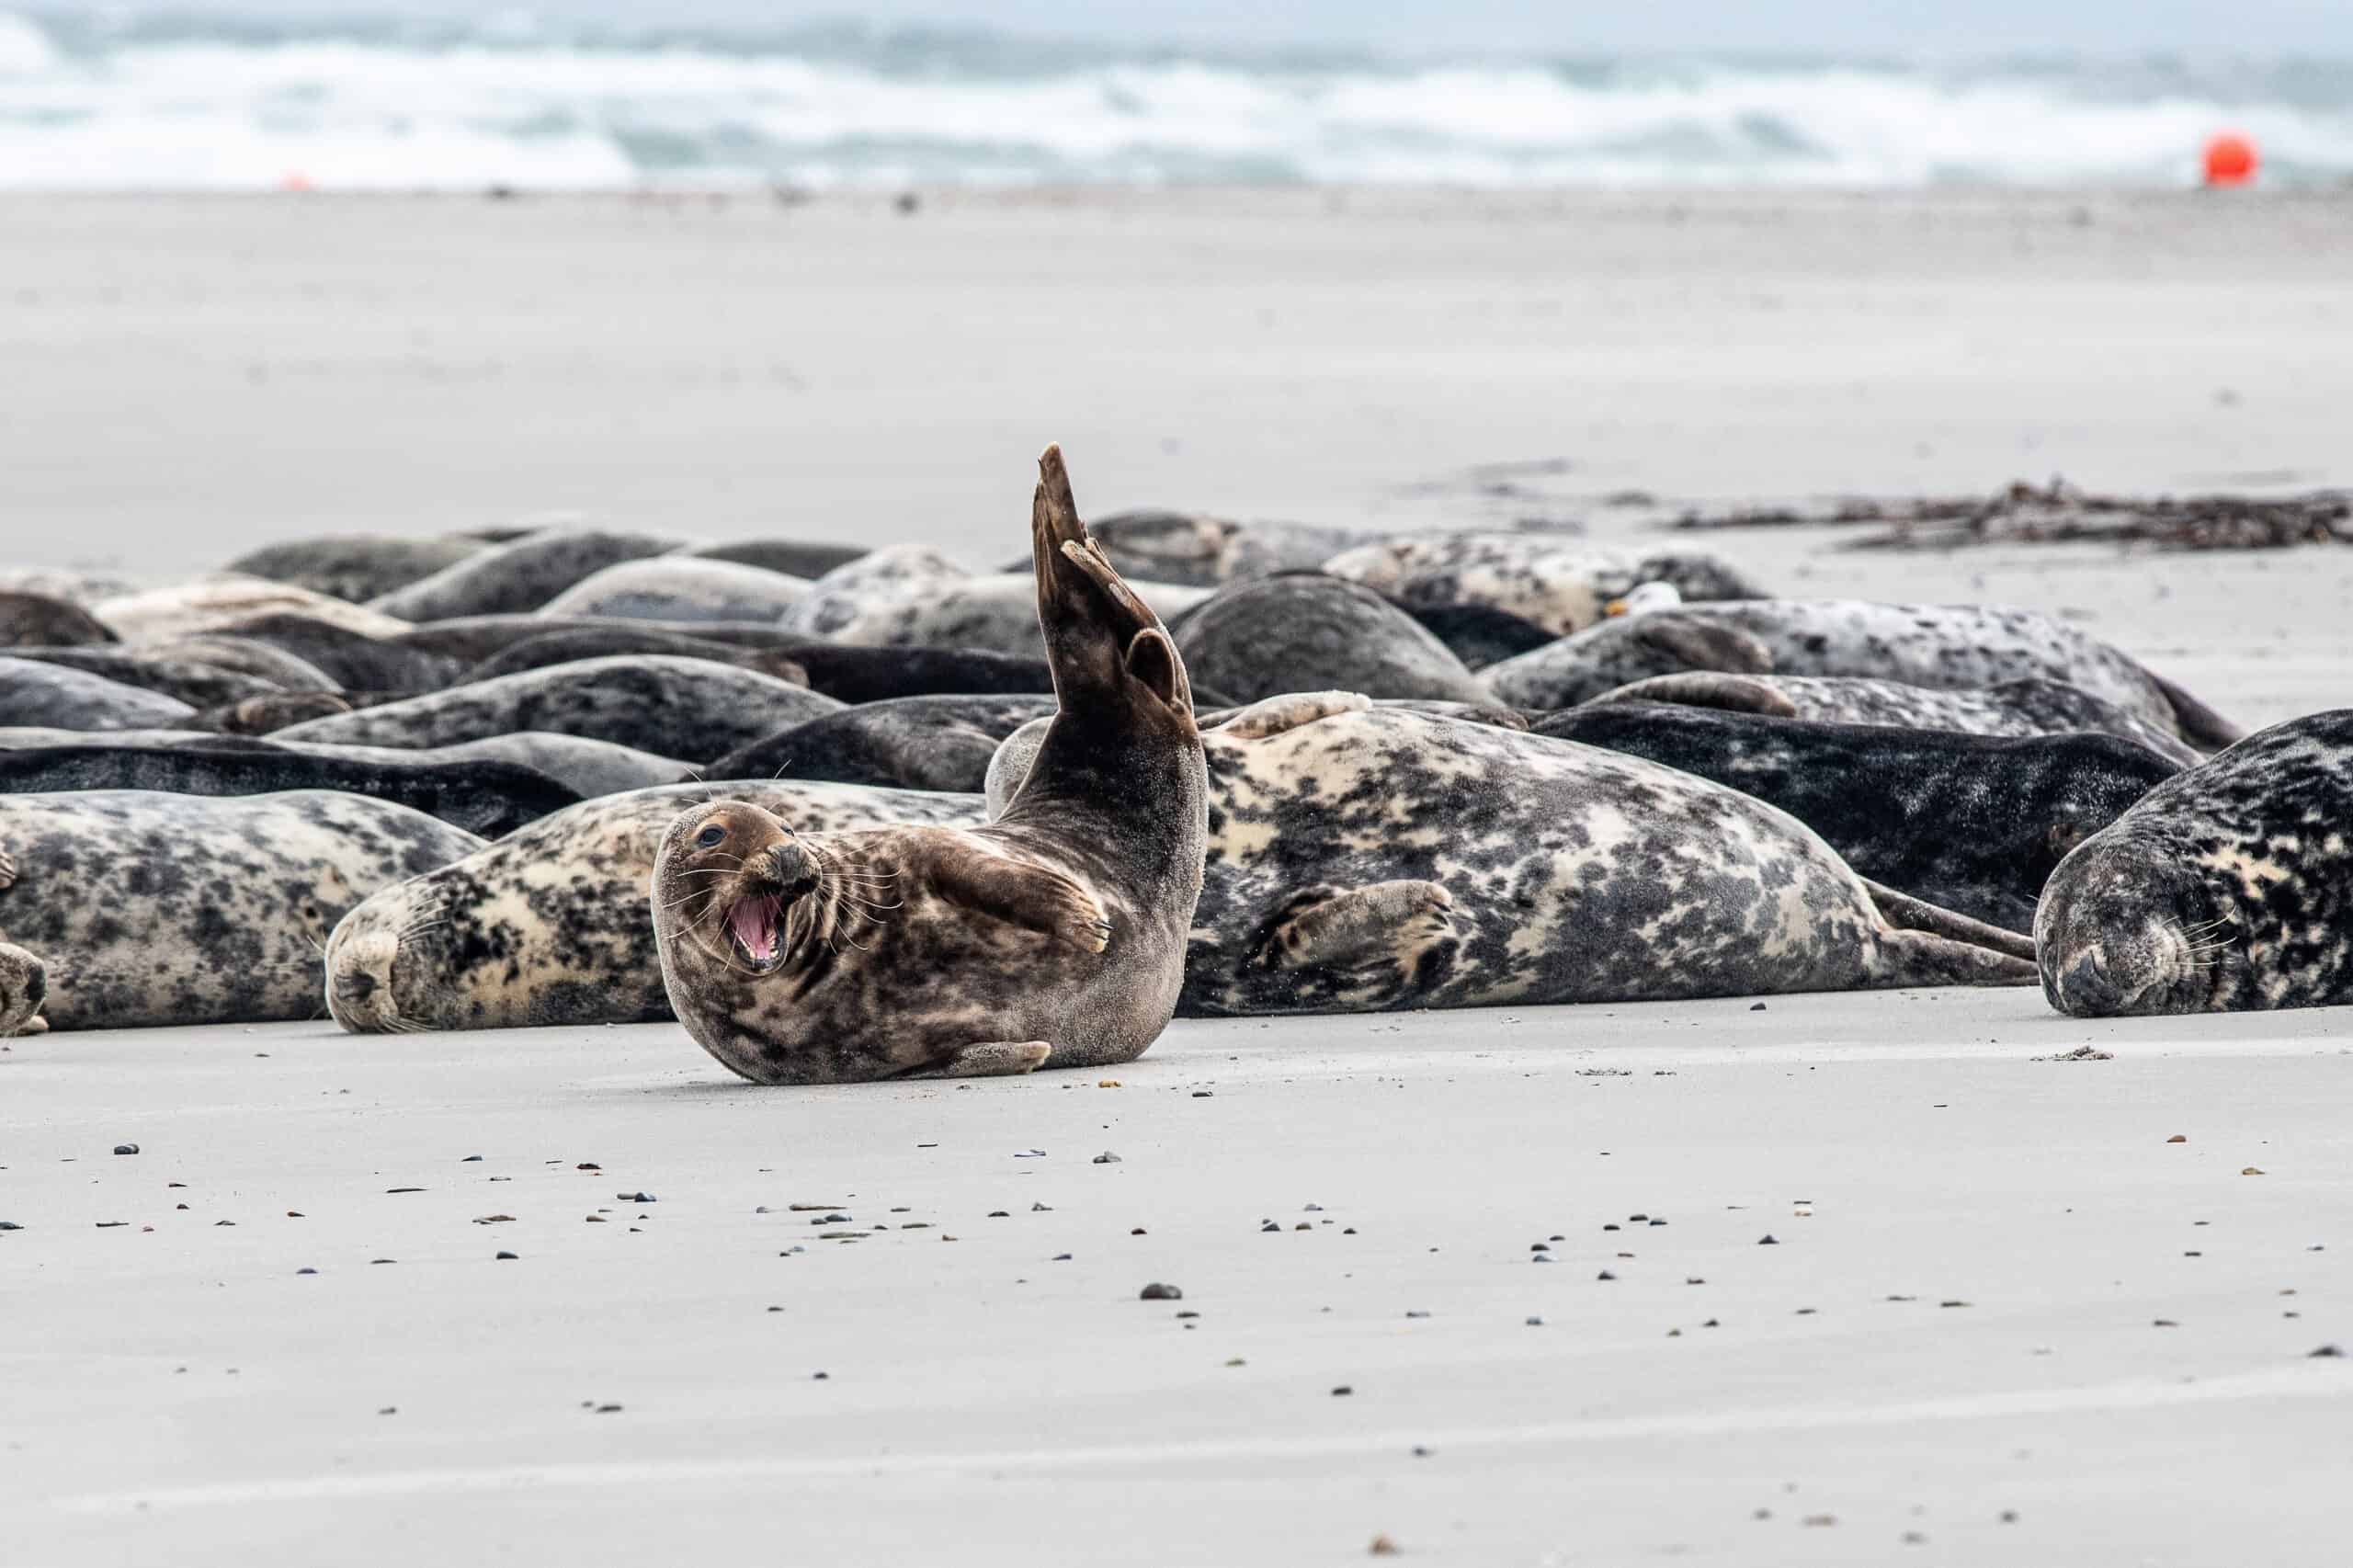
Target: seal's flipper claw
<point x="1021" y="894"/>
<point x="987" y="1059"/>
<point x="1905" y="913"/>
<point x="7" y="870"/>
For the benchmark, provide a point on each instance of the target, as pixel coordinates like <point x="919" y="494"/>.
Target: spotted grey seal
<point x="1054" y="936"/>
<point x="1970" y="823"/>
<point x="794" y="557"/>
<point x="1942" y="646"/>
<point x="24" y="985"/>
<point x="551" y="924"/>
<point x="248" y="656"/>
<point x="155" y="908"/>
<point x="680" y="587"/>
<point x="2013" y="708"/>
<point x="2229" y="888"/>
<point x="211" y="603"/>
<point x="346" y="659"/>
<point x="1479" y="635"/>
<point x="355" y="567"/>
<point x="687" y="707"/>
<point x="1362" y="858"/>
<point x="896" y="575"/>
<point x="520" y="576"/>
<point x="903" y="597"/>
<point x="904" y="742"/>
<point x="33" y="692"/>
<point x="1305" y="631"/>
<point x="36" y="621"/>
<point x="186" y="680"/>
<point x="485" y="797"/>
<point x="614" y="640"/>
<point x="1193" y="551"/>
<point x="1559" y="585"/>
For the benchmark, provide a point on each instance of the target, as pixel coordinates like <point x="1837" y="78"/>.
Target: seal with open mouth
<point x="1055" y="934"/>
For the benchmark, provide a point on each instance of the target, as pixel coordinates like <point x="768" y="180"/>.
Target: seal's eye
<point x="710" y="835"/>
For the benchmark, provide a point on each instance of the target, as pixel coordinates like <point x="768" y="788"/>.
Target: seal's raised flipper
<point x="1921" y="958"/>
<point x="1274" y="715"/>
<point x="988" y="1059"/>
<point x="2198" y="724"/>
<point x="1021" y="894"/>
<point x="1733" y="694"/>
<point x="1099" y="634"/>
<point x="1326" y="927"/>
<point x="1699" y="644"/>
<point x="1905" y="913"/>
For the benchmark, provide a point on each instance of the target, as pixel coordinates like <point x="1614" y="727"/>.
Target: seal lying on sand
<point x="1193" y="551"/>
<point x="346" y="659"/>
<point x="1560" y="585"/>
<point x="806" y="559"/>
<point x="551" y="924"/>
<point x="487" y="799"/>
<point x="24" y="984"/>
<point x="2229" y="888"/>
<point x="1943" y="646"/>
<point x="1364" y="858"/>
<point x="687" y="708"/>
<point x="680" y="587"/>
<point x="907" y="742"/>
<point x="619" y="639"/>
<point x="1302" y="631"/>
<point x="192" y="909"/>
<point x="35" y="620"/>
<point x="1967" y="822"/>
<point x="183" y="680"/>
<point x="357" y="567"/>
<point x="33" y="691"/>
<point x="211" y="603"/>
<point x="2013" y="708"/>
<point x="1055" y="935"/>
<point x="521" y="574"/>
<point x="588" y="767"/>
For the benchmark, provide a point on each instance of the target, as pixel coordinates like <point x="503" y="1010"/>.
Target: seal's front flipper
<point x="1099" y="634"/>
<point x="1276" y="714"/>
<point x="1905" y="913"/>
<point x="989" y="1059"/>
<point x="1326" y="927"/>
<point x="1733" y="693"/>
<point x="1021" y="894"/>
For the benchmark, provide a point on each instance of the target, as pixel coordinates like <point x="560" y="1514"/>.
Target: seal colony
<point x="439" y="783"/>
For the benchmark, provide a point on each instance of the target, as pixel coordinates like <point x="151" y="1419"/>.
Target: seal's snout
<point x="791" y="870"/>
<point x="2085" y="990"/>
<point x="359" y="982"/>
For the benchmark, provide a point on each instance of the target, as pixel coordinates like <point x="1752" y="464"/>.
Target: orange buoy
<point x="2230" y="159"/>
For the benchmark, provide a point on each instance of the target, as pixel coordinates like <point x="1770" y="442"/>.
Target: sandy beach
<point x="2003" y="1317"/>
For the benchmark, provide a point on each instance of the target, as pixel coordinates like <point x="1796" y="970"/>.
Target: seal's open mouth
<point x="756" y="926"/>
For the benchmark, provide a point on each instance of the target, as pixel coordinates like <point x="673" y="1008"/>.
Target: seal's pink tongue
<point x="753" y="922"/>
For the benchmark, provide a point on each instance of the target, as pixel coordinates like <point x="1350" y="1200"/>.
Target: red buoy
<point x="2230" y="159"/>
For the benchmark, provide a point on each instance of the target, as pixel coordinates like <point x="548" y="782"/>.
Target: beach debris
<point x="2059" y="513"/>
<point x="126" y="1148"/>
<point x="2081" y="1053"/>
<point x="1156" y="1292"/>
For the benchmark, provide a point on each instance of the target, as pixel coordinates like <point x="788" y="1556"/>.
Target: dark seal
<point x="2229" y="888"/>
<point x="1055" y="935"/>
<point x="907" y="742"/>
<point x="1305" y="631"/>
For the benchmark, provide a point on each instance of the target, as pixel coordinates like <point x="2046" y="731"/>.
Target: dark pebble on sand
<point x="1536" y="1322"/>
<point x="1605" y="1274"/>
<point x="306" y="1271"/>
<point x="126" y="1148"/>
<point x="821" y="1377"/>
<point x="1159" y="1293"/>
<point x="1418" y="1314"/>
<point x="390" y="1189"/>
<point x="1767" y="1241"/>
<point x="1034" y="1209"/>
<point x="9" y="1225"/>
<point x="1104" y="1158"/>
<point x="1201" y="1094"/>
<point x="1266" y="1225"/>
<point x="469" y="1159"/>
<point x="507" y="1257"/>
<point x="609" y="1410"/>
<point x="2327" y="1352"/>
<point x="1343" y="1391"/>
<point x="1061" y="1258"/>
<point x="1756" y="1007"/>
<point x="649" y="1197"/>
<point x="999" y="1214"/>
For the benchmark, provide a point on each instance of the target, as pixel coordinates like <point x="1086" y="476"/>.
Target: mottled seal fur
<point x="249" y="656"/>
<point x="211" y="603"/>
<point x="1479" y="635"/>
<point x="185" y="680"/>
<point x="2013" y="708"/>
<point x="1944" y="646"/>
<point x="1970" y="823"/>
<point x="1305" y="631"/>
<point x="280" y="711"/>
<point x="916" y="598"/>
<point x="35" y="620"/>
<point x="1558" y="584"/>
<point x="1158" y="545"/>
<point x="347" y="659"/>
<point x="904" y="743"/>
<point x="1363" y="859"/>
<point x="484" y="798"/>
<point x="852" y="593"/>
<point x="33" y="692"/>
<point x="24" y="985"/>
<point x="520" y="576"/>
<point x="355" y="567"/>
<point x="619" y="639"/>
<point x="1055" y="935"/>
<point x="188" y="909"/>
<point x="687" y="708"/>
<point x="552" y="924"/>
<point x="806" y="559"/>
<point x="679" y="588"/>
<point x="2229" y="888"/>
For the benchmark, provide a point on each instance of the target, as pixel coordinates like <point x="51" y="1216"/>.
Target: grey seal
<point x="618" y="638"/>
<point x="552" y="924"/>
<point x="916" y="599"/>
<point x="36" y="621"/>
<point x="1196" y="551"/>
<point x="184" y="680"/>
<point x="33" y="692"/>
<point x="2228" y="888"/>
<point x="1363" y="859"/>
<point x="253" y="657"/>
<point x="24" y="985"/>
<point x="1970" y="823"/>
<point x="1943" y="646"/>
<point x="154" y="909"/>
<point x="1563" y="585"/>
<point x="678" y="587"/>
<point x="1305" y="631"/>
<point x="904" y="742"/>
<point x="807" y="559"/>
<point x="687" y="708"/>
<point x="2012" y="708"/>
<point x="211" y="603"/>
<point x="355" y="567"/>
<point x="345" y="659"/>
<point x="519" y="576"/>
<point x="1055" y="935"/>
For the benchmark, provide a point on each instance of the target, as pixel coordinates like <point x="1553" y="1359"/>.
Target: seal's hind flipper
<point x="2198" y="724"/>
<point x="1730" y="693"/>
<point x="1905" y="913"/>
<point x="986" y="1059"/>
<point x="1921" y="958"/>
<point x="1275" y="715"/>
<point x="1097" y="630"/>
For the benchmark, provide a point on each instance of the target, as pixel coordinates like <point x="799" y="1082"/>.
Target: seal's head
<point x="740" y="887"/>
<point x="24" y="986"/>
<point x="2121" y="932"/>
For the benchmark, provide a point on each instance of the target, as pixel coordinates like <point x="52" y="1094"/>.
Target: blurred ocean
<point x="224" y="103"/>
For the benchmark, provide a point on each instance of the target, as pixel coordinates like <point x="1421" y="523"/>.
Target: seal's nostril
<point x="2086" y="988"/>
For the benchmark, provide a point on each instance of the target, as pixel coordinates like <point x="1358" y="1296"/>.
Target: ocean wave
<point x="194" y="103"/>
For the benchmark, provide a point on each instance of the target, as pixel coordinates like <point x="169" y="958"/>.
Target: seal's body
<point x="1306" y="631"/>
<point x="1560" y="585"/>
<point x="1055" y="935"/>
<point x="905" y="742"/>
<point x="188" y="909"/>
<point x="2229" y="888"/>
